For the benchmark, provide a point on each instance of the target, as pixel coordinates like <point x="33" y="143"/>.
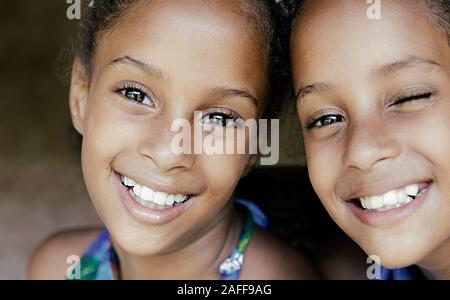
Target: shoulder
<point x="49" y="260"/>
<point x="267" y="258"/>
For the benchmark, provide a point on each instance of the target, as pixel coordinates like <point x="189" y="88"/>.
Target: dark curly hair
<point x="267" y="17"/>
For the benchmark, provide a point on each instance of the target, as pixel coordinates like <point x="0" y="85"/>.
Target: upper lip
<point x="159" y="187"/>
<point x="381" y="188"/>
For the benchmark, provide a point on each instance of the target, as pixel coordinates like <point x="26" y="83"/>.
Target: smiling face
<point x="374" y="102"/>
<point x="162" y="62"/>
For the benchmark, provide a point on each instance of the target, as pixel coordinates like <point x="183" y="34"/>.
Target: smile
<point x="150" y="198"/>
<point x="150" y="206"/>
<point x="392" y="199"/>
<point x="392" y="206"/>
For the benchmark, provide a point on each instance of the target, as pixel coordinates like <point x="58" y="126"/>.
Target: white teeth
<point x="170" y="200"/>
<point x="146" y="195"/>
<point x="129" y="182"/>
<point x="160" y="198"/>
<point x="412" y="190"/>
<point x="391" y="199"/>
<point x="180" y="198"/>
<point x="377" y="202"/>
<point x="402" y="197"/>
<point x="137" y="189"/>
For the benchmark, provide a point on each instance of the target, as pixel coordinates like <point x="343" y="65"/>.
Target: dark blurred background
<point x="41" y="188"/>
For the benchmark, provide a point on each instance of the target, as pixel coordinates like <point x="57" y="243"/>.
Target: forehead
<point x="339" y="34"/>
<point x="201" y="39"/>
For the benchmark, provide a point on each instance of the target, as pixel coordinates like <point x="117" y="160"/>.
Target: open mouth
<point x="150" y="198"/>
<point x="392" y="199"/>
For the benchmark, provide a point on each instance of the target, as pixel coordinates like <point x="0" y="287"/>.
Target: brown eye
<point x="221" y="117"/>
<point x="324" y="121"/>
<point x="136" y="95"/>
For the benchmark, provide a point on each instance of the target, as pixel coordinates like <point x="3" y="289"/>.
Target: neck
<point x="437" y="264"/>
<point x="199" y="259"/>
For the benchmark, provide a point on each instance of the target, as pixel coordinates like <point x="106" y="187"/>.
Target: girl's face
<point x="374" y="102"/>
<point x="162" y="62"/>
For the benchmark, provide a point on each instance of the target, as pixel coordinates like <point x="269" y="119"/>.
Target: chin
<point x="137" y="242"/>
<point x="138" y="247"/>
<point x="396" y="253"/>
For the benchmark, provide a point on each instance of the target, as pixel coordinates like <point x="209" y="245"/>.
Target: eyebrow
<point x="147" y="68"/>
<point x="225" y="92"/>
<point x="156" y="72"/>
<point x="384" y="70"/>
<point x="310" y="89"/>
<point x="407" y="63"/>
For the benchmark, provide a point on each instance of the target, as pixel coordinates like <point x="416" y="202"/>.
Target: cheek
<point x="425" y="137"/>
<point x="107" y="134"/>
<point x="222" y="172"/>
<point x="323" y="168"/>
<point x="431" y="140"/>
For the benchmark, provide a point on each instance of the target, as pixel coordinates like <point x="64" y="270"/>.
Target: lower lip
<point x="147" y="215"/>
<point x="389" y="217"/>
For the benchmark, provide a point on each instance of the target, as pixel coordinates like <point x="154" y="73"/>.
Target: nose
<point x="158" y="147"/>
<point x="370" y="144"/>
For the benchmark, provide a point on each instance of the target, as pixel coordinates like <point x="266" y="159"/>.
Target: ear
<point x="78" y="97"/>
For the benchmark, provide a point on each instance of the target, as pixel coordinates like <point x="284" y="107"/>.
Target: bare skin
<point x="49" y="260"/>
<point x="374" y="102"/>
<point x="209" y="64"/>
